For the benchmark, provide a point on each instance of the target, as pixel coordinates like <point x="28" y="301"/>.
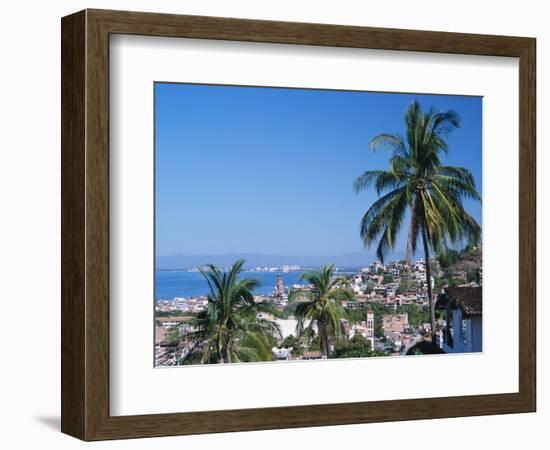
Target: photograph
<point x="299" y="224"/>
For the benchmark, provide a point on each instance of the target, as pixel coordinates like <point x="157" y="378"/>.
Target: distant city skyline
<point x="243" y="170"/>
<point x="347" y="260"/>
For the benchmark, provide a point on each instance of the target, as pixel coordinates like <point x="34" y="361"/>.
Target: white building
<point x="282" y="354"/>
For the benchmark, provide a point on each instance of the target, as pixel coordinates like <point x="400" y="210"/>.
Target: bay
<point x="178" y="283"/>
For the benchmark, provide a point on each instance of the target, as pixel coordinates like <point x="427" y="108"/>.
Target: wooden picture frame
<point x="85" y="224"/>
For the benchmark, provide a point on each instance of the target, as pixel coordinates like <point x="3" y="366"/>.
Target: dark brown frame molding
<point x="85" y="224"/>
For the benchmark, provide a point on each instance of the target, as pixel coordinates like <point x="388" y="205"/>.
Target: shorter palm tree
<point x="321" y="307"/>
<point x="229" y="329"/>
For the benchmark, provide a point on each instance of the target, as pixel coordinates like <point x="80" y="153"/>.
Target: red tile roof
<point x="468" y="299"/>
<point x="313" y="354"/>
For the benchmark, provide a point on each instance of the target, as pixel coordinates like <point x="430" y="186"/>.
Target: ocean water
<point x="172" y="284"/>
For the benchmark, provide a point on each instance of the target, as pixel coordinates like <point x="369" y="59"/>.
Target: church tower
<point x="280" y="287"/>
<point x="370" y="328"/>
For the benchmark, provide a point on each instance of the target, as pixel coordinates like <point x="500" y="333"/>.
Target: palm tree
<point x="417" y="181"/>
<point x="229" y="329"/>
<point x="321" y="306"/>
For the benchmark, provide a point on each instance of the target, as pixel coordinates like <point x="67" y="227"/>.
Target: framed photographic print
<point x="320" y="224"/>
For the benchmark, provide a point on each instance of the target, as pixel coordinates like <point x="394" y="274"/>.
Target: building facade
<point x="463" y="331"/>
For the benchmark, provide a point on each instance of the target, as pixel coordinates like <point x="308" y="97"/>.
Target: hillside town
<point x="386" y="312"/>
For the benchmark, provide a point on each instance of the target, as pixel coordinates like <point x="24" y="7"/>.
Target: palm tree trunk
<point x="228" y="354"/>
<point x="219" y="350"/>
<point x="323" y="340"/>
<point x="429" y="280"/>
<point x="322" y="349"/>
<point x="411" y="236"/>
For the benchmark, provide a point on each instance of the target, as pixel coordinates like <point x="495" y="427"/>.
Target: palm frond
<point x="381" y="218"/>
<point x="393" y="142"/>
<point x="382" y="180"/>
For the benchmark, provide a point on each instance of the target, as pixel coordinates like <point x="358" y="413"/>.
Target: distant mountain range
<point x="355" y="259"/>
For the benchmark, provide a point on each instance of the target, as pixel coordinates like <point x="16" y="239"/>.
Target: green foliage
<point x="448" y="257"/>
<point x="457" y="282"/>
<point x="292" y="341"/>
<point x="228" y="330"/>
<point x="418" y="315"/>
<point x="172" y="337"/>
<point x="297" y="295"/>
<point x="404" y="285"/>
<point x="356" y="315"/>
<point x="341" y="295"/>
<point x="323" y="307"/>
<point x="439" y="283"/>
<point x="388" y="278"/>
<point x="370" y="286"/>
<point x="399" y="310"/>
<point x="287" y="312"/>
<point x="471" y="275"/>
<point x="356" y="347"/>
<point x="467" y="259"/>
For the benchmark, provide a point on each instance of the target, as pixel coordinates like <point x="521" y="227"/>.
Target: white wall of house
<point x="288" y="327"/>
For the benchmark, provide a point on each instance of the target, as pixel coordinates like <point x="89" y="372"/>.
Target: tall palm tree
<point x="321" y="307"/>
<point x="229" y="329"/>
<point x="417" y="181"/>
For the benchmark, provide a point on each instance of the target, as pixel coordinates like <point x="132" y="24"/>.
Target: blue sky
<point x="270" y="170"/>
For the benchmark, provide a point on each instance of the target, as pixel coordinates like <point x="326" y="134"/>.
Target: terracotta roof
<point x="468" y="299"/>
<point x="314" y="354"/>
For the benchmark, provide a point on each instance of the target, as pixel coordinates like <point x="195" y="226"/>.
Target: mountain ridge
<point x="352" y="259"/>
